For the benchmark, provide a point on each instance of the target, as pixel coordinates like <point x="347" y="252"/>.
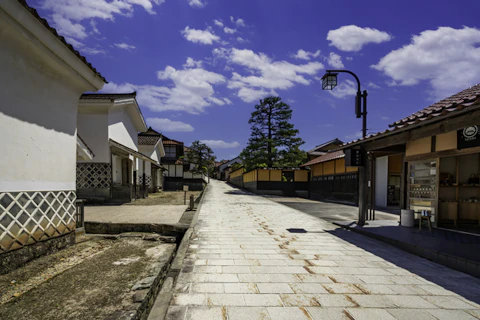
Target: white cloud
<point x="192" y="91"/>
<point x="193" y="63"/>
<point x="124" y="46"/>
<point x="449" y="59"/>
<point x="335" y="61"/>
<point x="356" y="135"/>
<point x="344" y="89"/>
<point x="348" y="58"/>
<point x="353" y="38"/>
<point x="220" y="53"/>
<point x="218" y="23"/>
<point x="93" y="24"/>
<point x="242" y="40"/>
<point x="372" y="85"/>
<point x="239" y="22"/>
<point x="68" y="28"/>
<point x="385" y="118"/>
<point x="167" y="125"/>
<point x="250" y="95"/>
<point x="267" y="74"/>
<point x="305" y="55"/>
<point x="93" y="51"/>
<point x="200" y="36"/>
<point x="197" y="3"/>
<point x="68" y="15"/>
<point x="220" y="144"/>
<point x="229" y="30"/>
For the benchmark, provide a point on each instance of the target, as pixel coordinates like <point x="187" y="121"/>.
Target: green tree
<point x="201" y="156"/>
<point x="273" y="140"/>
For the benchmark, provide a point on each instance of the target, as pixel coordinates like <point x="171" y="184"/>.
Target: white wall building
<point x="109" y="125"/>
<point x="150" y="144"/>
<point x="41" y="79"/>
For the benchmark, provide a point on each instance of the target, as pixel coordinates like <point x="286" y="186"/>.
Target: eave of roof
<point x="131" y="151"/>
<point x="59" y="37"/>
<point x="326" y="157"/>
<point x="108" y="96"/>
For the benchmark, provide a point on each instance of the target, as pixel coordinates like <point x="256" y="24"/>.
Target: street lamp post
<point x="329" y="81"/>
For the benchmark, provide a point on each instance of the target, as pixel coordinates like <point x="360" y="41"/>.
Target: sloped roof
<point x="149" y="138"/>
<point x="168" y="141"/>
<point x="443" y="109"/>
<point x="326" y="157"/>
<point x="59" y="37"/>
<point x="107" y="96"/>
<point x="320" y="146"/>
<point x="130" y="150"/>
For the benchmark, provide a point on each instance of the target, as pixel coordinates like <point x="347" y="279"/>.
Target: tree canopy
<point x="201" y="156"/>
<point x="273" y="140"/>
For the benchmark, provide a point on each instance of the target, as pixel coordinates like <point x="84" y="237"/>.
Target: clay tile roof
<point x="62" y="39"/>
<point x="442" y="109"/>
<point x="167" y="141"/>
<point x="326" y="157"/>
<point x="149" y="138"/>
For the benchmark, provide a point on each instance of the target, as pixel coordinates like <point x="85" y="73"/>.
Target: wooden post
<point x="363" y="176"/>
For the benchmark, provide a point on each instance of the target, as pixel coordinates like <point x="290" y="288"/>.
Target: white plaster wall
<point x="93" y="128"/>
<point x="121" y="128"/>
<point x="38" y="118"/>
<point x="381" y="181"/>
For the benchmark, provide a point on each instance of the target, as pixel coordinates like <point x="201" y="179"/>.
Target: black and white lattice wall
<point x="94" y="175"/>
<point x="30" y="217"/>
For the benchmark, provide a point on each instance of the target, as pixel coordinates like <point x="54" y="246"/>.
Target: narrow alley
<point x="243" y="263"/>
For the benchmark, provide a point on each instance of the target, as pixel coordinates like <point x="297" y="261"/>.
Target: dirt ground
<point x="160" y="214"/>
<point x="90" y="280"/>
<point x="164" y="197"/>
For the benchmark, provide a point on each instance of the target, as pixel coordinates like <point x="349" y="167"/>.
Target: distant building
<point x="150" y="144"/>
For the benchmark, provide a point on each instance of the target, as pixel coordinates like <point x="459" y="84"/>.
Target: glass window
<point x="170" y="152"/>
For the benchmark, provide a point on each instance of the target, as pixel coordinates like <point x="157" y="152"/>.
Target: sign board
<point x="353" y="158"/>
<point x="468" y="137"/>
<point x="185" y="188"/>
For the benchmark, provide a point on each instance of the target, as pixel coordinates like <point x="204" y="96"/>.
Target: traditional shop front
<point x="439" y="175"/>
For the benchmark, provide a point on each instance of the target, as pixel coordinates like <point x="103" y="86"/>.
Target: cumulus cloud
<point x="353" y="38"/>
<point x="242" y="40"/>
<point x="220" y="144"/>
<point x="266" y="75"/>
<point x="197" y="3"/>
<point x="344" y="89"/>
<point x="68" y="15"/>
<point x="192" y="63"/>
<point x="218" y="23"/>
<point x="167" y="125"/>
<point x="93" y="51"/>
<point x="200" y="36"/>
<point x="229" y="30"/>
<point x="238" y="22"/>
<point x="335" y="61"/>
<point x="93" y="24"/>
<point x="448" y="58"/>
<point x="348" y="58"/>
<point x="306" y="55"/>
<point x="124" y="46"/>
<point x="192" y="90"/>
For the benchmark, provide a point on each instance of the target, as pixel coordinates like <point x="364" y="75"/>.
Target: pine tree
<point x="201" y="156"/>
<point x="273" y="141"/>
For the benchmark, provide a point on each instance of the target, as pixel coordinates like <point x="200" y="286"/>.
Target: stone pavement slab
<point x="161" y="214"/>
<point x="243" y="263"/>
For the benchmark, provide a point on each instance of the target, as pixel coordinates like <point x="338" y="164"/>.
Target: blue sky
<point x="200" y="66"/>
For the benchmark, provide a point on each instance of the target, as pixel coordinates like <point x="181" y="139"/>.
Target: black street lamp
<point x="329" y="81"/>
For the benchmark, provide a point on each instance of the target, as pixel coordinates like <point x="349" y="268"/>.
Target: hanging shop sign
<point x="468" y="137"/>
<point x="353" y="158"/>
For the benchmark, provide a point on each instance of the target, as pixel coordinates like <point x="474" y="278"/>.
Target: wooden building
<point x="274" y="181"/>
<point x="439" y="148"/>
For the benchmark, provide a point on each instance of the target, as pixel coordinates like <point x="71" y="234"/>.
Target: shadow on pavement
<point x="455" y="281"/>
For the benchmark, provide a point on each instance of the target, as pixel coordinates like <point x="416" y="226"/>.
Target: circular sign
<point x="470" y="132"/>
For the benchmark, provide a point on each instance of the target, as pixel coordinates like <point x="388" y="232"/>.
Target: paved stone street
<point x="242" y="263"/>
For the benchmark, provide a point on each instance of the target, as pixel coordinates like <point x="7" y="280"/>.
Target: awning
<point x="120" y="147"/>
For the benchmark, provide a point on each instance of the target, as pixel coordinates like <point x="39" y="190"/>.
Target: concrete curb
<point x="160" y="307"/>
<point x="463" y="265"/>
